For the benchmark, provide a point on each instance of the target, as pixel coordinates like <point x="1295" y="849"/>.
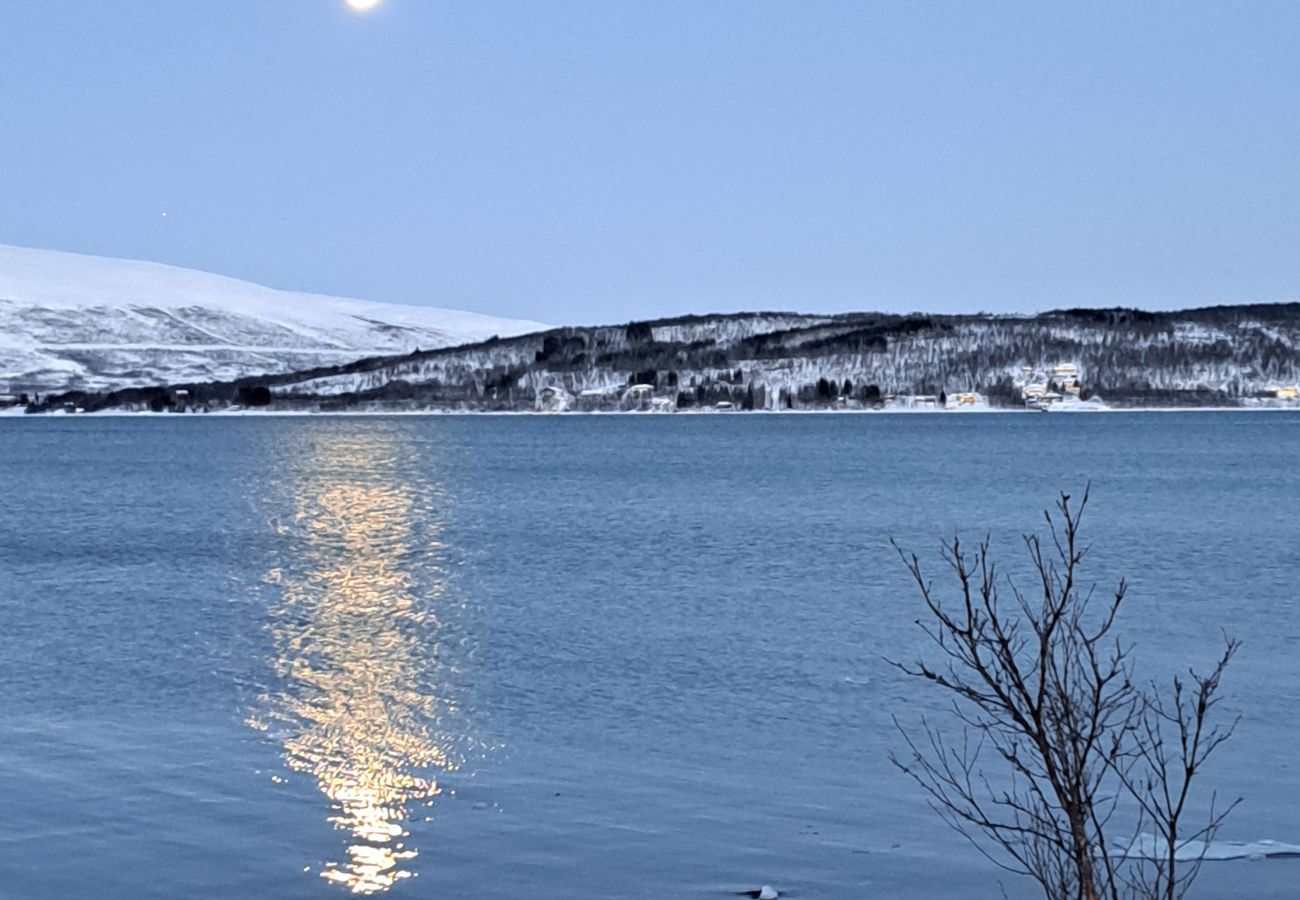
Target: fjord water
<point x="574" y="657"/>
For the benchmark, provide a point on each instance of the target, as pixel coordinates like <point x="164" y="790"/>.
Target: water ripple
<point x="363" y="695"/>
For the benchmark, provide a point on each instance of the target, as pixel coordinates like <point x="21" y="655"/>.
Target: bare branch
<point x="1045" y="688"/>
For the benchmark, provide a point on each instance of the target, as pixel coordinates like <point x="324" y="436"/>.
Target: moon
<point x="363" y="5"/>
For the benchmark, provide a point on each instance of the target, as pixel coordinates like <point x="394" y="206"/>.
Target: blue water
<point x="574" y="657"/>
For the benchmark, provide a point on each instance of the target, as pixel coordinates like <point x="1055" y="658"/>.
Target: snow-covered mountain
<point x="69" y="322"/>
<point x="1217" y="356"/>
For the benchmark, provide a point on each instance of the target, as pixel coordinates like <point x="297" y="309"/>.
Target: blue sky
<point x="603" y="161"/>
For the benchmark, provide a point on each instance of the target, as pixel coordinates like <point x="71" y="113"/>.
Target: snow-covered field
<point x="72" y="321"/>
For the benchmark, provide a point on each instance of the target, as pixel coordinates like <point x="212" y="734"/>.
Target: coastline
<point x="20" y="413"/>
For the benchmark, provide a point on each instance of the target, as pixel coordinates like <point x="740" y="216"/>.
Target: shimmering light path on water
<point x="363" y="694"/>
<point x="570" y="657"/>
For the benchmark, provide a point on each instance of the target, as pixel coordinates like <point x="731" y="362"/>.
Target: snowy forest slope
<point x="1214" y="356"/>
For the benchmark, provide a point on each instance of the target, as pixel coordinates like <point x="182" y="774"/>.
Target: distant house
<point x="598" y="399"/>
<point x="965" y="400"/>
<point x="638" y="398"/>
<point x="553" y="398"/>
<point x="1062" y="377"/>
<point x="912" y="402"/>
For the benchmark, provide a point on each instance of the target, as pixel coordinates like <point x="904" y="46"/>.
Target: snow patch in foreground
<point x="1148" y="846"/>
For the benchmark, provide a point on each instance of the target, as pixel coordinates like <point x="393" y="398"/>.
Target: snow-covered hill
<point x="1224" y="356"/>
<point x="69" y="321"/>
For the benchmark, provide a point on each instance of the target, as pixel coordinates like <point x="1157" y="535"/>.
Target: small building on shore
<point x="965" y="400"/>
<point x="912" y="402"/>
<point x="553" y="399"/>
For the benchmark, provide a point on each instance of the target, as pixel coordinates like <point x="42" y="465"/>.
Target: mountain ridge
<point x="1216" y="356"/>
<point x="73" y="321"/>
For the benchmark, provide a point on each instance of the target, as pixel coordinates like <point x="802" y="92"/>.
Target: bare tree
<point x="1043" y="685"/>
<point x="1171" y="740"/>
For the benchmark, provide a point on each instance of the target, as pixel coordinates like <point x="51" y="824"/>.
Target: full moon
<point x="363" y="5"/>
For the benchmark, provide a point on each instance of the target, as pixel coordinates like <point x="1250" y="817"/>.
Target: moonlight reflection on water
<point x="362" y="698"/>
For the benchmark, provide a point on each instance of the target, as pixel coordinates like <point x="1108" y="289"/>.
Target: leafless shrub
<point x="1043" y="685"/>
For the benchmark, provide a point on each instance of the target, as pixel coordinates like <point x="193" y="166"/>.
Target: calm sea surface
<point x="574" y="657"/>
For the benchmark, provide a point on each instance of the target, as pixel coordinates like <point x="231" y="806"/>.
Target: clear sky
<point x="609" y="160"/>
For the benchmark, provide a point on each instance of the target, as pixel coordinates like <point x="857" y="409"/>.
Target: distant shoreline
<point x="20" y="413"/>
